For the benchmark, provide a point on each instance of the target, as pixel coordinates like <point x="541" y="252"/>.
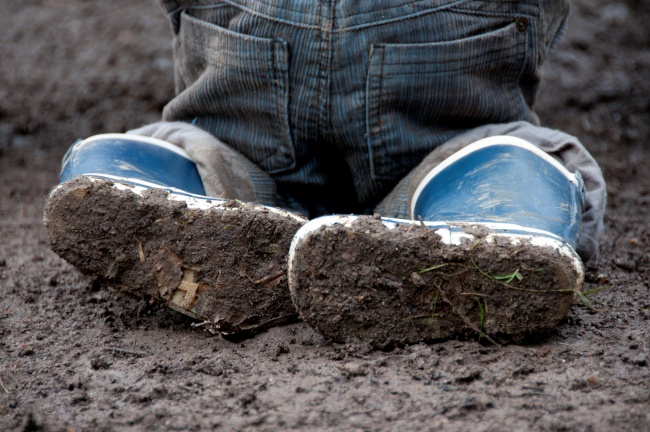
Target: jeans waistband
<point x="346" y="15"/>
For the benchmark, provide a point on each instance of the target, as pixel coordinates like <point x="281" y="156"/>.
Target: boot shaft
<point x="503" y="180"/>
<point x="141" y="160"/>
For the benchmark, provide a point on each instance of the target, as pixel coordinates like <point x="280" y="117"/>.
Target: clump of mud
<point x="224" y="264"/>
<point x="405" y="285"/>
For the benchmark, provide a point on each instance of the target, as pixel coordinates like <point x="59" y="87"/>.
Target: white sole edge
<point x="195" y="202"/>
<point x="449" y="236"/>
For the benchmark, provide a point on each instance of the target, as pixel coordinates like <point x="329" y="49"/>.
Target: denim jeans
<point x="339" y="100"/>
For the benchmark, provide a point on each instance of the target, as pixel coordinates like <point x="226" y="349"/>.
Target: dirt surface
<point x="74" y="357"/>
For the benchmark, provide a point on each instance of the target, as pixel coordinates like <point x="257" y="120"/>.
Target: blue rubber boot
<point x="507" y="184"/>
<point x="133" y="159"/>
<point x="131" y="212"/>
<point x="490" y="251"/>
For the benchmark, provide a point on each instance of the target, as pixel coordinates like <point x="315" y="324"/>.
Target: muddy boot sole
<point x="361" y="278"/>
<point x="219" y="261"/>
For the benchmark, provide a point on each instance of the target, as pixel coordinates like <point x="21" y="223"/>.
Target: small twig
<point x="423" y="316"/>
<point x="268" y="278"/>
<point x="140" y="249"/>
<point x="466" y="320"/>
<point x="201" y="324"/>
<point x="473" y="294"/>
<point x="421" y="222"/>
<point x="3" y="386"/>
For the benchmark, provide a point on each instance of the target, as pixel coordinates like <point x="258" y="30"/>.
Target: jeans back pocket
<point x="420" y="95"/>
<point x="236" y="87"/>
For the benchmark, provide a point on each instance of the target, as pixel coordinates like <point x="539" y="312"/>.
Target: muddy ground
<point x="76" y="358"/>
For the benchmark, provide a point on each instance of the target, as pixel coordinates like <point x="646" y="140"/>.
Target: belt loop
<point x="173" y="10"/>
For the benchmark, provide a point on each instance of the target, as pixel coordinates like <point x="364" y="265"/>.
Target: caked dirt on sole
<point x="224" y="264"/>
<point x="406" y="285"/>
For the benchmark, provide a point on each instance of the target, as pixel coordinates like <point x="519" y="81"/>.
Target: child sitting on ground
<point x="291" y="121"/>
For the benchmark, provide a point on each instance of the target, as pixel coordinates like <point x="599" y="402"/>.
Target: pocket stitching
<point x="375" y="143"/>
<point x="277" y="79"/>
<point x="282" y="99"/>
<point x="373" y="98"/>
